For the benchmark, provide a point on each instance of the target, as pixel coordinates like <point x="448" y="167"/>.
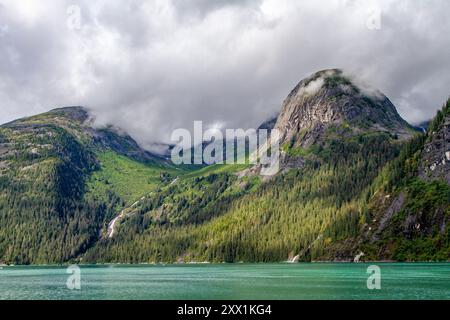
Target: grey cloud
<point x="198" y="9"/>
<point x="153" y="66"/>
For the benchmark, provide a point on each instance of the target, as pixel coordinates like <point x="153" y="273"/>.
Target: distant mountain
<point x="269" y="124"/>
<point x="423" y="126"/>
<point x="357" y="181"/>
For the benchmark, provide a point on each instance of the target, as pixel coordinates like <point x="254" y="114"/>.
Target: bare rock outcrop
<point x="435" y="160"/>
<point x="330" y="98"/>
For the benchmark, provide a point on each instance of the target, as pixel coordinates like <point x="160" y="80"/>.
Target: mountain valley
<point x="358" y="183"/>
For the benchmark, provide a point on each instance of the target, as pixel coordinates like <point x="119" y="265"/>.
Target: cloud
<point x="153" y="66"/>
<point x="313" y="87"/>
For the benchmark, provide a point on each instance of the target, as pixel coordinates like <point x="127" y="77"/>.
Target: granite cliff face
<point x="435" y="159"/>
<point x="328" y="98"/>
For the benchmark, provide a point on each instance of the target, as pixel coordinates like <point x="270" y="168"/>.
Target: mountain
<point x="56" y="172"/>
<point x="77" y="122"/>
<point x="340" y="149"/>
<point x="410" y="212"/>
<point x="329" y="99"/>
<point x="356" y="181"/>
<point x="423" y="126"/>
<point x="268" y="124"/>
<point x="435" y="158"/>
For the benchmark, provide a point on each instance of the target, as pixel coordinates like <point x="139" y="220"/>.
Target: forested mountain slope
<point x="51" y="209"/>
<point x="410" y="213"/>
<point x="320" y="210"/>
<point x="356" y="180"/>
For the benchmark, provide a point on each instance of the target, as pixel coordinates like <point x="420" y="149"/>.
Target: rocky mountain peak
<point x="329" y="98"/>
<point x="79" y="114"/>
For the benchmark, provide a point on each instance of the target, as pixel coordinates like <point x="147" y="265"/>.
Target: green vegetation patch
<point x="128" y="179"/>
<point x="216" y="169"/>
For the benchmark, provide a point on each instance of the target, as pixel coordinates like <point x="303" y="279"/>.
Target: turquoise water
<point x="228" y="281"/>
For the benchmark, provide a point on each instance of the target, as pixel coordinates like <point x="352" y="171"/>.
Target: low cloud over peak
<point x="154" y="66"/>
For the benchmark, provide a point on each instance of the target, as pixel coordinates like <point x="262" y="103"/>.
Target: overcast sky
<point x="153" y="66"/>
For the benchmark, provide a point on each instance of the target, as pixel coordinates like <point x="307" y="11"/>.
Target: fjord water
<point x="228" y="281"/>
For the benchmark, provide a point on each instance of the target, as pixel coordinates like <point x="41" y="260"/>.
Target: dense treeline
<point x="439" y="120"/>
<point x="44" y="215"/>
<point x="191" y="202"/>
<point x="420" y="230"/>
<point x="330" y="208"/>
<point x="287" y="216"/>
